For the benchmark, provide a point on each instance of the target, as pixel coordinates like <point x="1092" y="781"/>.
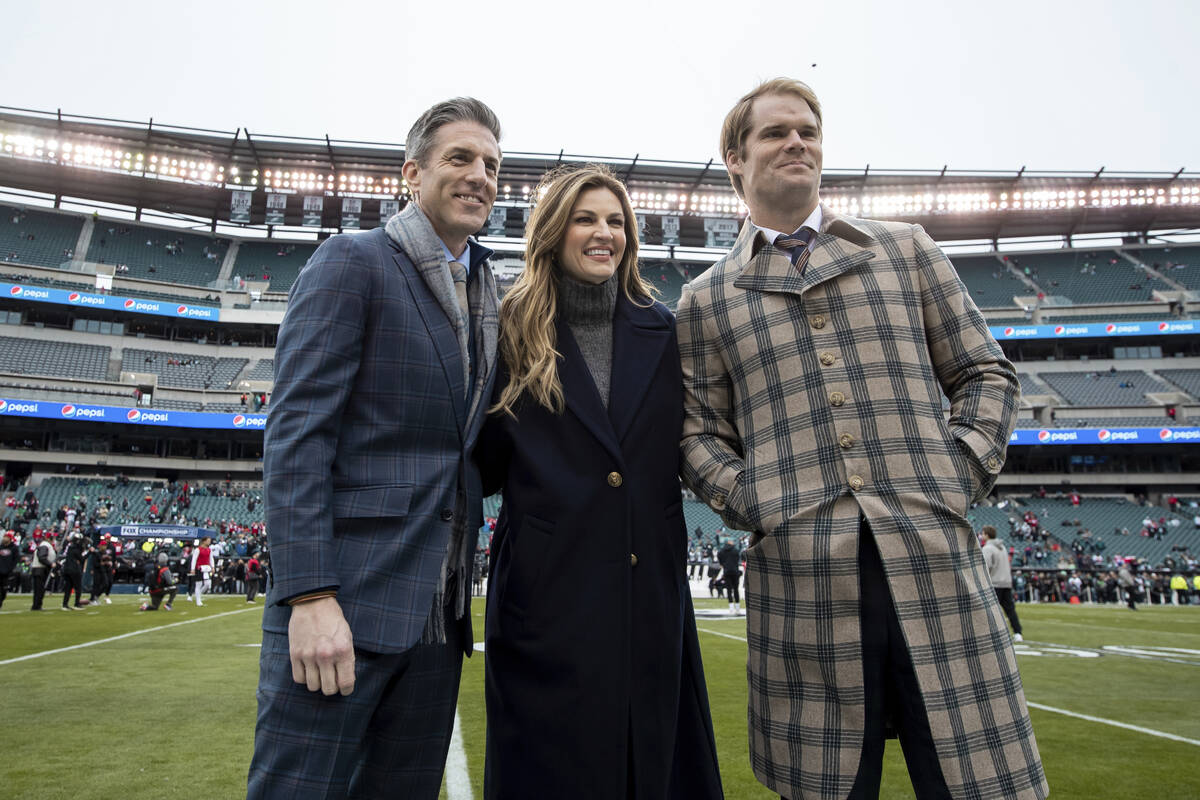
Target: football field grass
<point x="110" y="703"/>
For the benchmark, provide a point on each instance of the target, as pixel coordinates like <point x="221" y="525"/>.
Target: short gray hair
<point x="458" y="109"/>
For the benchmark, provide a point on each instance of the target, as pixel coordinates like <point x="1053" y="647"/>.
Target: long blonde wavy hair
<point x="527" y="314"/>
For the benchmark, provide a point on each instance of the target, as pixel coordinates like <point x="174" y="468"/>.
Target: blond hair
<point x="737" y="121"/>
<point x="527" y="335"/>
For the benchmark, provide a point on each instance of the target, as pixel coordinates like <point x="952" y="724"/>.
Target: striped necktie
<point x="459" y="273"/>
<point x="796" y="246"/>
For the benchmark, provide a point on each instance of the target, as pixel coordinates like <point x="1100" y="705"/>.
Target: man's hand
<point x="321" y="647"/>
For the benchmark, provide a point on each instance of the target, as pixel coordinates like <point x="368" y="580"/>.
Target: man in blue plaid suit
<point x="815" y="359"/>
<point x="384" y="365"/>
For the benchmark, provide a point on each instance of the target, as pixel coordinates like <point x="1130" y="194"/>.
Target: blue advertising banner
<point x="139" y="305"/>
<point x="43" y="409"/>
<point x="151" y="531"/>
<point x="1104" y="436"/>
<point x="1094" y="329"/>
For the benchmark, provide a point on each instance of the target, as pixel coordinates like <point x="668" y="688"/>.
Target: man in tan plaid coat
<point x="815" y="364"/>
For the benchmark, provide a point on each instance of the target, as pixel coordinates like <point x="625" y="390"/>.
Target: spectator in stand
<point x="995" y="555"/>
<point x="10" y="556"/>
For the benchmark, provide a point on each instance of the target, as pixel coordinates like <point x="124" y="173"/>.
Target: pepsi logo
<point x="132" y="414"/>
<point x="14" y="291"/>
<point x="1162" y="326"/>
<point x="1009" y="331"/>
<point x="3" y="404"/>
<point x="1103" y="435"/>
<point x="129" y="303"/>
<point x="181" y="310"/>
<point x="1164" y="434"/>
<point x="1058" y="330"/>
<point x="73" y="297"/>
<point x="239" y="421"/>
<point x="68" y="410"/>
<point x="1109" y="328"/>
<point x="1043" y="436"/>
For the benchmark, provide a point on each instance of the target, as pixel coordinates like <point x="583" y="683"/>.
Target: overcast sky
<point x="912" y="85"/>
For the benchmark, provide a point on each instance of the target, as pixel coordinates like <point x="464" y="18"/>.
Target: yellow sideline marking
<point x="122" y="636"/>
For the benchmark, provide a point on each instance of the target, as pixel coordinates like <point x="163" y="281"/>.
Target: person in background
<point x="201" y="568"/>
<point x="162" y="585"/>
<point x="995" y="555"/>
<point x="73" y="556"/>
<point x="10" y="557"/>
<point x="253" y="577"/>
<point x="730" y="558"/>
<point x="40" y="564"/>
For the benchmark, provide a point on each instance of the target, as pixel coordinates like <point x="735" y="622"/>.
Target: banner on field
<point x="670" y="231"/>
<point x="87" y="412"/>
<point x="138" y="305"/>
<point x="239" y="206"/>
<point x="1065" y="330"/>
<point x="351" y="211"/>
<point x="388" y="209"/>
<point x="720" y="232"/>
<point x="313" y="206"/>
<point x="276" y="208"/>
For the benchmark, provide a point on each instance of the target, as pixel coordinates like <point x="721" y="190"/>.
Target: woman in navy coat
<point x="595" y="687"/>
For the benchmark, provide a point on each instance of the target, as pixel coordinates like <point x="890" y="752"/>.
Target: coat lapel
<point x="840" y="246"/>
<point x="579" y="390"/>
<point x="445" y="340"/>
<point x="639" y="339"/>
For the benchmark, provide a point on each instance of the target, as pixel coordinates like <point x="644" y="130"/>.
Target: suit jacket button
<point x="993" y="463"/>
<point x="837" y="399"/>
<point x="856" y="482"/>
<point x="846" y="441"/>
<point x="827" y="359"/>
<point x="718" y="502"/>
<point x="633" y="559"/>
<point x="817" y="321"/>
<point x="447" y="515"/>
<point x="615" y="479"/>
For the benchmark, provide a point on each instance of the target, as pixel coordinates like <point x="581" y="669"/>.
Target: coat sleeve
<point x="711" y="446"/>
<point x="316" y="359"/>
<point x="979" y="381"/>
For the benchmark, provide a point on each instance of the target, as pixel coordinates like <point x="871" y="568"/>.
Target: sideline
<point x="124" y="636"/>
<point x="458" y="782"/>
<point x="1052" y="709"/>
<point x="1114" y="723"/>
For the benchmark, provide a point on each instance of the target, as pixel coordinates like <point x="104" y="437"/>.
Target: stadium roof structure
<point x="192" y="173"/>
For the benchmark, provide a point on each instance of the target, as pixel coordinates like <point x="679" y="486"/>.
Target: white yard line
<point x="1051" y="709"/>
<point x="1114" y="723"/>
<point x="458" y="782"/>
<point x="122" y="636"/>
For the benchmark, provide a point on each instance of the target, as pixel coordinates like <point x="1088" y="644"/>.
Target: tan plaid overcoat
<point x="812" y="399"/>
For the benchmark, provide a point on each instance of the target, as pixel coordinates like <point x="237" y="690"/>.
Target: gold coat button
<point x="846" y="441"/>
<point x="837" y="399"/>
<point x="817" y="321"/>
<point x="718" y="502"/>
<point x="856" y="482"/>
<point x="633" y="559"/>
<point x="615" y="479"/>
<point x="827" y="359"/>
<point x="993" y="463"/>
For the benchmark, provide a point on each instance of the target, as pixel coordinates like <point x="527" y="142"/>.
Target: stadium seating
<point x="144" y="250"/>
<point x="263" y="370"/>
<point x="1030" y="384"/>
<point x="990" y="283"/>
<point x="1186" y="379"/>
<point x="1099" y="276"/>
<point x="190" y="372"/>
<point x="53" y="236"/>
<point x="1180" y="263"/>
<point x="665" y="278"/>
<point x="1104" y="388"/>
<point x="27" y="356"/>
<point x="279" y="262"/>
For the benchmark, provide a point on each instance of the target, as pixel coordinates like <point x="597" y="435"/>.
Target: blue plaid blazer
<point x="367" y="440"/>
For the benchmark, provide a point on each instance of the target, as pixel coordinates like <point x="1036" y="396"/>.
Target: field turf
<point x="166" y="705"/>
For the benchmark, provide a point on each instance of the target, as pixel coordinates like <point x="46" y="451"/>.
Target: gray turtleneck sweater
<point x="587" y="308"/>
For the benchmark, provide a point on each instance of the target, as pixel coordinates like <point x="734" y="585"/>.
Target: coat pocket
<point x="529" y="551"/>
<point x="371" y="502"/>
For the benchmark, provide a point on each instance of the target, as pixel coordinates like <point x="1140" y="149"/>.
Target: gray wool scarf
<point x="413" y="233"/>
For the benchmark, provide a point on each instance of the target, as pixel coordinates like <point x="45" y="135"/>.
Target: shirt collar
<point x="813" y="221"/>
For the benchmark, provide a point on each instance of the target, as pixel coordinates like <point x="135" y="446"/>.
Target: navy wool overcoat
<point x="594" y="681"/>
